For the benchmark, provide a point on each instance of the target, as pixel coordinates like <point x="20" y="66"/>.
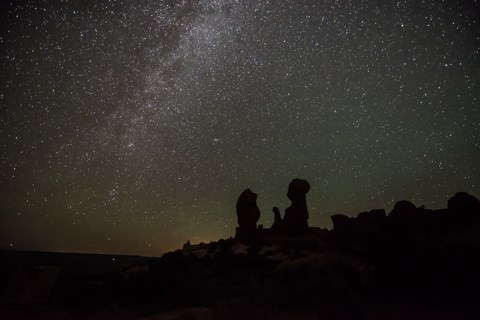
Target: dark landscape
<point x="413" y="263"/>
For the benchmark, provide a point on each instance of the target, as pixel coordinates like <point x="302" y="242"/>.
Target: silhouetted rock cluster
<point x="296" y="216"/>
<point x="412" y="263"/>
<point x="406" y="218"/>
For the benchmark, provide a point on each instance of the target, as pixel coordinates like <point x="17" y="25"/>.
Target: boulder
<point x="464" y="202"/>
<point x="403" y="210"/>
<point x="341" y="222"/>
<point x="464" y="209"/>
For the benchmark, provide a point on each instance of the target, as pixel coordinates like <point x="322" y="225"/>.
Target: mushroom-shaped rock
<point x="296" y="216"/>
<point x="247" y="210"/>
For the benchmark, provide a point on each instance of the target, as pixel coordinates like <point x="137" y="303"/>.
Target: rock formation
<point x="407" y="221"/>
<point x="466" y="208"/>
<point x="296" y="216"/>
<point x="247" y="211"/>
<point x="403" y="210"/>
<point x="278" y="223"/>
<point x="341" y="222"/>
<point x="463" y="201"/>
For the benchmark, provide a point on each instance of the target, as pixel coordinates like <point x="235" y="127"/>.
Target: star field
<point x="133" y="126"/>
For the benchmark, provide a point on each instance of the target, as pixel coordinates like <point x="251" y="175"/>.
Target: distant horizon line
<point x="24" y="250"/>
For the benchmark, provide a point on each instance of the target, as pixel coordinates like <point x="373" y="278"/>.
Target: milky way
<point x="133" y="126"/>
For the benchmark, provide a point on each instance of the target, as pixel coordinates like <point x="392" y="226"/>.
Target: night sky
<point x="133" y="126"/>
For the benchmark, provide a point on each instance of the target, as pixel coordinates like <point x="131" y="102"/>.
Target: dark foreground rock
<point x="412" y="263"/>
